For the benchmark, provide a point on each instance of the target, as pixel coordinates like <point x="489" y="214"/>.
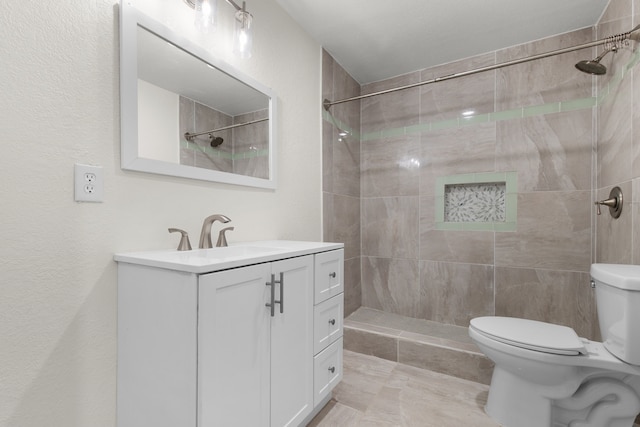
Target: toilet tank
<point x="618" y="302"/>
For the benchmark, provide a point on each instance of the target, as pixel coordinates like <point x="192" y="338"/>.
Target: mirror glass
<point x="186" y="113"/>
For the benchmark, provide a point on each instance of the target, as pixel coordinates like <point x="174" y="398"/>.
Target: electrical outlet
<point x="89" y="183"/>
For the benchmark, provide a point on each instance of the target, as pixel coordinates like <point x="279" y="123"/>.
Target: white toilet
<point x="546" y="376"/>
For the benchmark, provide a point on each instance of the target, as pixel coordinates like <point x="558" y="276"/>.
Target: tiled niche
<point x="478" y="201"/>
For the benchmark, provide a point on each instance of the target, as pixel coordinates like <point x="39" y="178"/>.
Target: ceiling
<point x="377" y="39"/>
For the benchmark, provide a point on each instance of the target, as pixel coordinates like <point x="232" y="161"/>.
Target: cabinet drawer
<point x="329" y="272"/>
<point x="327" y="371"/>
<point x="327" y="321"/>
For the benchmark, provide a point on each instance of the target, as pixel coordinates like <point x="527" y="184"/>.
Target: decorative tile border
<point x="510" y="181"/>
<point x="517" y="113"/>
<point x="213" y="152"/>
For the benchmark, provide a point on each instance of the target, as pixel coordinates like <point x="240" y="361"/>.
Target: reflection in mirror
<point x="194" y="115"/>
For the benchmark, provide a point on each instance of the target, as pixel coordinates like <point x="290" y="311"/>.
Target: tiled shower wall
<point x="539" y="120"/>
<point x="619" y="138"/>
<point x="245" y="149"/>
<point x="341" y="175"/>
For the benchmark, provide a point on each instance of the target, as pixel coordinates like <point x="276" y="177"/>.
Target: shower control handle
<point x="614" y="202"/>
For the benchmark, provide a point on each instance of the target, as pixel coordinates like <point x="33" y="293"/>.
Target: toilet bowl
<point x="547" y="376"/>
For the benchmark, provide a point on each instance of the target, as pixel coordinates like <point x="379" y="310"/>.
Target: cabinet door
<point x="233" y="349"/>
<point x="292" y="343"/>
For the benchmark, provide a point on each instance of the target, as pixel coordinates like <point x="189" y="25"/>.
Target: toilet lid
<point x="530" y="334"/>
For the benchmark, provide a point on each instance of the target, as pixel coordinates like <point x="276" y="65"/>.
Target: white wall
<point x="158" y="123"/>
<point x="58" y="106"/>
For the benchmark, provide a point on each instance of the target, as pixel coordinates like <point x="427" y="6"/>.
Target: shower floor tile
<point x="378" y="392"/>
<point x="403" y="324"/>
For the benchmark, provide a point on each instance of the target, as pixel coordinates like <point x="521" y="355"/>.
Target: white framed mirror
<point x="186" y="113"/>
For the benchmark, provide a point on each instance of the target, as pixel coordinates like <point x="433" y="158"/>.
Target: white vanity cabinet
<point x="243" y="348"/>
<point x="213" y="346"/>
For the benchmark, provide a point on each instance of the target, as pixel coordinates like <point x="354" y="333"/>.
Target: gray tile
<point x="546" y="80"/>
<point x="553" y="232"/>
<point x="393" y="110"/>
<point x="473" y="366"/>
<point x="545" y="295"/>
<point x="389" y="166"/>
<point x="454" y="293"/>
<point x="352" y="285"/>
<point x="615" y="147"/>
<point x="470" y="149"/>
<point x="391" y="285"/>
<point x="417" y="397"/>
<point x="617" y="9"/>
<point x="550" y="152"/>
<point x="364" y="376"/>
<point x="418" y="329"/>
<point x="343" y="222"/>
<point x="378" y="392"/>
<point x="473" y="247"/>
<point x="384" y="347"/>
<point x="336" y="414"/>
<point x="473" y="93"/>
<point x="390" y="227"/>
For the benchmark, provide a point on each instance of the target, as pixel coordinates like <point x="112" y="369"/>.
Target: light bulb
<point x="243" y="38"/>
<point x="205" y="15"/>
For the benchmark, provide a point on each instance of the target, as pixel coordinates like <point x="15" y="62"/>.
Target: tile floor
<point x="378" y="392"/>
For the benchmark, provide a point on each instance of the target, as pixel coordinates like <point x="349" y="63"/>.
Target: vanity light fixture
<point x="243" y="33"/>
<point x="205" y="16"/>
<point x="205" y="19"/>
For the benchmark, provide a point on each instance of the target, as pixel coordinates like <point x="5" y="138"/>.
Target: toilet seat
<point x="530" y="334"/>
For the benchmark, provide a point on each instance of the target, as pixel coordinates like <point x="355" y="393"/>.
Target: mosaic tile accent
<point x="484" y="202"/>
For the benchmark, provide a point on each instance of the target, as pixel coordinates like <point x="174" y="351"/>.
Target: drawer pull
<point x="332" y="369"/>
<point x="332" y="322"/>
<point x="332" y="275"/>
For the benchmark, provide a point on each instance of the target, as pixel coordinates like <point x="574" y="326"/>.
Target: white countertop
<point x="235" y="255"/>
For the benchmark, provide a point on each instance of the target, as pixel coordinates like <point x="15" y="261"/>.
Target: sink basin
<point x="233" y="252"/>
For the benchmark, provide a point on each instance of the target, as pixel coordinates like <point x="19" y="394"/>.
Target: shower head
<point x="594" y="66"/>
<point x="215" y="140"/>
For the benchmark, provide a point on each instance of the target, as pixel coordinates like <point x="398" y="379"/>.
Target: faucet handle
<point x="222" y="238"/>
<point x="184" y="244"/>
<point x="614" y="202"/>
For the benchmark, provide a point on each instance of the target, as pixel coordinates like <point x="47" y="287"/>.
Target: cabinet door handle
<point x="273" y="295"/>
<point x="332" y="274"/>
<point x="281" y="300"/>
<point x="332" y="369"/>
<point x="332" y="322"/>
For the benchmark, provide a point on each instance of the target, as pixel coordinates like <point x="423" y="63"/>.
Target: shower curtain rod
<point x="189" y="136"/>
<point x="611" y="39"/>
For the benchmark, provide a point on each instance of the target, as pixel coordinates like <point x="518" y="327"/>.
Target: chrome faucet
<point x="205" y="234"/>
